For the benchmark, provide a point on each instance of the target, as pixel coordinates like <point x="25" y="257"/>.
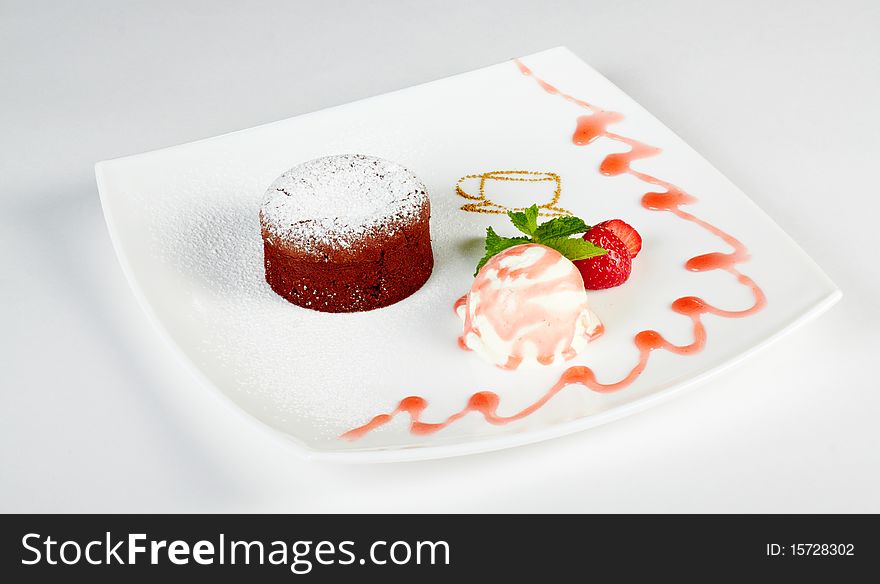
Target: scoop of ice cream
<point x="527" y="306"/>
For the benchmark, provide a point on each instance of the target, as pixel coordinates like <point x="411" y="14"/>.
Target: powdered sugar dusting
<point x="334" y="201"/>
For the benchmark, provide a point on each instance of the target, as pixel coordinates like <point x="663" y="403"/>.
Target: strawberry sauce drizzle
<point x="588" y="129"/>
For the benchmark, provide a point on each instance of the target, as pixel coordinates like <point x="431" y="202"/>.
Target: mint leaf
<point x="555" y="233"/>
<point x="532" y="215"/>
<point x="526" y="221"/>
<point x="559" y="227"/>
<point x="495" y="244"/>
<point x="576" y="248"/>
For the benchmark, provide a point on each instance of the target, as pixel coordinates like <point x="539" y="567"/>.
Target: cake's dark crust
<point x="380" y="270"/>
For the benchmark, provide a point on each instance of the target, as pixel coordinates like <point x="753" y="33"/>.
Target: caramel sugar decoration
<point x="486" y="205"/>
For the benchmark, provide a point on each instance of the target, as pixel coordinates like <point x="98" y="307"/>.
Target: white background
<point x="97" y="413"/>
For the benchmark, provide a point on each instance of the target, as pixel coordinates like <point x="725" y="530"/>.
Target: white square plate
<point x="184" y="221"/>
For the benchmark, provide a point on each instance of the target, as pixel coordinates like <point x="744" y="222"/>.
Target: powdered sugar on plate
<point x="334" y="201"/>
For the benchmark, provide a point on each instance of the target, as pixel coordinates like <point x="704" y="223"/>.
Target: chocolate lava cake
<point x="346" y="233"/>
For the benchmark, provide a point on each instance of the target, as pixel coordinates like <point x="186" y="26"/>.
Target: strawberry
<point x="608" y="270"/>
<point x="625" y="233"/>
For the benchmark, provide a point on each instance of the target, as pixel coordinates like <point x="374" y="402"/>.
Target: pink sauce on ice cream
<point x="527" y="306"/>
